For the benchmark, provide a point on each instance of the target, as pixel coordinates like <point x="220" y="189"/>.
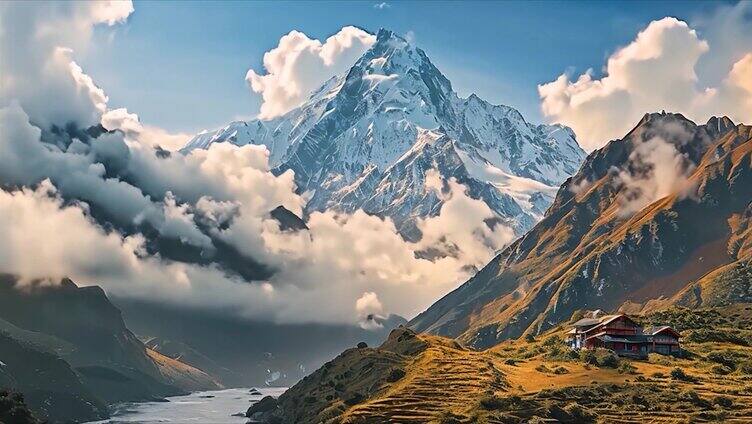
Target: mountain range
<point x="366" y="140"/>
<point x="70" y="352"/>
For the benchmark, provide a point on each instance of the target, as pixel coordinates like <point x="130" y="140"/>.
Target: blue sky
<point x="181" y="66"/>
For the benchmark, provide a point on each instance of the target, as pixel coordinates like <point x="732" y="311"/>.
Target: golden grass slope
<point x="182" y="375"/>
<point x="536" y="380"/>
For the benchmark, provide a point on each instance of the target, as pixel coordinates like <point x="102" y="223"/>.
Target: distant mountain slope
<point x="244" y="353"/>
<point x="81" y="316"/>
<point x="366" y="139"/>
<point x="52" y="389"/>
<point x="625" y="231"/>
<point x="187" y="355"/>
<point x="69" y="352"/>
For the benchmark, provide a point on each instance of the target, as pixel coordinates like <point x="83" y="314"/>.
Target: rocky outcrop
<point x="13" y="409"/>
<point x="266" y="407"/>
<point x="287" y="220"/>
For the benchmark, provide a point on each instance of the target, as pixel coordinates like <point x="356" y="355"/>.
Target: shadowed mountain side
<point x="82" y="317"/>
<point x="52" y="389"/>
<point x="252" y="352"/>
<point x="67" y="349"/>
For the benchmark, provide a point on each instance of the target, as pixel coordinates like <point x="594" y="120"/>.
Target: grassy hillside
<point x="180" y="374"/>
<point x="417" y="378"/>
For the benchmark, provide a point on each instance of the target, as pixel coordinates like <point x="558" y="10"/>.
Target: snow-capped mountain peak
<point x="366" y="140"/>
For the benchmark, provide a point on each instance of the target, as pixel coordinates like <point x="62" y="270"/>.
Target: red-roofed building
<point x="623" y="335"/>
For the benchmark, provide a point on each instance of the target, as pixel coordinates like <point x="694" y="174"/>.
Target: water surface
<point x="216" y="407"/>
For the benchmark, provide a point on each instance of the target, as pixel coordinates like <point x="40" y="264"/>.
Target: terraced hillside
<point x="448" y="369"/>
<point x="417" y="378"/>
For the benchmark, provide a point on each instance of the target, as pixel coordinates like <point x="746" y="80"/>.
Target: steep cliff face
<point x="644" y="223"/>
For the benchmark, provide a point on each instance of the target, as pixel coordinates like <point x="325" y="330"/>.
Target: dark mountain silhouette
<point x="68" y="351"/>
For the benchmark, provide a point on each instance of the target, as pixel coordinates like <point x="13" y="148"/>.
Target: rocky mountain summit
<point x="367" y="139"/>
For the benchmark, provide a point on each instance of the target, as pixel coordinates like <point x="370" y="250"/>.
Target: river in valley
<point x="215" y="407"/>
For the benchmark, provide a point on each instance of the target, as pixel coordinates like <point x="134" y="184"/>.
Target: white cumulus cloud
<point x="657" y="71"/>
<point x="95" y="208"/>
<point x="655" y="170"/>
<point x="222" y="194"/>
<point x="37" y="70"/>
<point x="135" y="131"/>
<point x="299" y="65"/>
